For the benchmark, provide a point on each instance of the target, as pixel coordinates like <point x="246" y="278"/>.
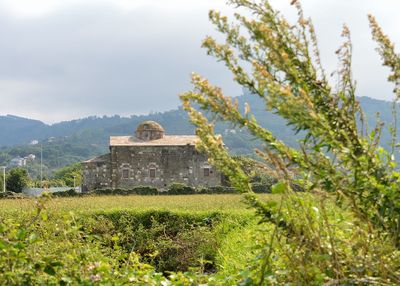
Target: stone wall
<point x="160" y="166"/>
<point x="97" y="173"/>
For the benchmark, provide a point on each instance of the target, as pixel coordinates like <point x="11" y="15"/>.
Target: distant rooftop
<point x="99" y="159"/>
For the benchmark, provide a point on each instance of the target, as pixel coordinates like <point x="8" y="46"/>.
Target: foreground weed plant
<point x="339" y="157"/>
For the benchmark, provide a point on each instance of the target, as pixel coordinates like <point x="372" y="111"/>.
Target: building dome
<point x="149" y="130"/>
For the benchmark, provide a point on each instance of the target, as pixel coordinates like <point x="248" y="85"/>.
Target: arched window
<point x="152" y="172"/>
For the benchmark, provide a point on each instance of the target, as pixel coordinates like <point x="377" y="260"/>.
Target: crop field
<point x="60" y="241"/>
<point x="200" y="233"/>
<point x="53" y="240"/>
<point x="226" y="203"/>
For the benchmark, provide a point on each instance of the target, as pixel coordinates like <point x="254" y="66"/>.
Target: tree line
<point x="17" y="179"/>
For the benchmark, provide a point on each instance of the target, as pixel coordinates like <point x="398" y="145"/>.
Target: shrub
<point x="140" y="190"/>
<point x="54" y="251"/>
<point x="68" y="193"/>
<point x="168" y="241"/>
<point x="102" y="192"/>
<point x="261" y="188"/>
<point x="12" y="195"/>
<point x="180" y="189"/>
<point x="145" y="190"/>
<point x="16" y="180"/>
<point x="216" y="190"/>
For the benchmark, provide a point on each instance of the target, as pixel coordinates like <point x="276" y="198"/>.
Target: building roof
<point x="167" y="140"/>
<point x="149" y="130"/>
<point x="99" y="159"/>
<point x="150" y="126"/>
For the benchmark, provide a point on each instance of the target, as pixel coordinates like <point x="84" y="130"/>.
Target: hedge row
<point x="174" y="189"/>
<point x="12" y="195"/>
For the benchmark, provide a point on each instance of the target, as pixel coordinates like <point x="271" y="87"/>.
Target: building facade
<point x="17" y="162"/>
<point x="150" y="158"/>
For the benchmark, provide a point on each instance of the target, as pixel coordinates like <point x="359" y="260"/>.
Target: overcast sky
<point x="66" y="59"/>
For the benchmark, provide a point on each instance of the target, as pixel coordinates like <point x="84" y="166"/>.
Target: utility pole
<point x="74" y="182"/>
<point x="41" y="165"/>
<point x="4" y="178"/>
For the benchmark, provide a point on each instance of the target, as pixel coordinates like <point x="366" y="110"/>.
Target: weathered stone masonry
<point x="150" y="158"/>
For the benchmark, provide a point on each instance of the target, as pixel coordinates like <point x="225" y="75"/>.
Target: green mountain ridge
<point x="73" y="141"/>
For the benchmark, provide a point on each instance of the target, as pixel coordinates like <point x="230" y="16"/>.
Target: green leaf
<point x="44" y="216"/>
<point x="56" y="264"/>
<point x="21" y="234"/>
<point x="271" y="204"/>
<point x="65" y="281"/>
<point x="33" y="238"/>
<point x="278" y="188"/>
<point x="50" y="270"/>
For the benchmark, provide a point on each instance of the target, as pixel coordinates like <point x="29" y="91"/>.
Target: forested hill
<point x="73" y="141"/>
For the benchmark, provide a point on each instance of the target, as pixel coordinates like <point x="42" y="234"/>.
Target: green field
<point x="198" y="233"/>
<point x="225" y="203"/>
<point x="206" y="239"/>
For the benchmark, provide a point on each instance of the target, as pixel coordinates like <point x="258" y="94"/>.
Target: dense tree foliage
<point x="71" y="175"/>
<point x="16" y="180"/>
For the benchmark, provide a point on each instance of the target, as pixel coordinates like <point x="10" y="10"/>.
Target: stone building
<point x="150" y="158"/>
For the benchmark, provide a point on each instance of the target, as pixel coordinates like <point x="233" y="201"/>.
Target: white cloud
<point x="42" y="8"/>
<point x="73" y="58"/>
<point x="12" y="89"/>
<point x="18" y="96"/>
